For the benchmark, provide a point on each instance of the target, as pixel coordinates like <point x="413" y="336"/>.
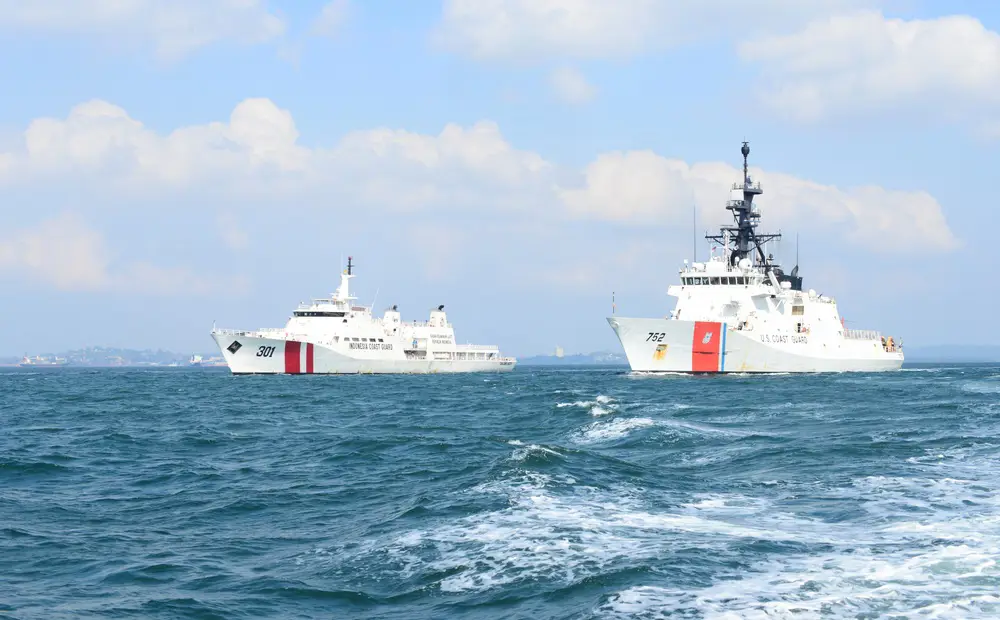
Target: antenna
<point x="612" y="302"/>
<point x="694" y="232"/>
<point x="746" y="153"/>
<point x="374" y="298"/>
<point x="796" y="249"/>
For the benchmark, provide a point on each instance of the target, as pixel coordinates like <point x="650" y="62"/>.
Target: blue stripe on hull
<point x="722" y="353"/>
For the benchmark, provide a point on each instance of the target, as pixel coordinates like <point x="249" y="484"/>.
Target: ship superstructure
<point x="334" y="336"/>
<point x="740" y="312"/>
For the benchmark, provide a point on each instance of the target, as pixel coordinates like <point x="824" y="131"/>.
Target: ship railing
<point x="476" y="347"/>
<point x="264" y="332"/>
<point x="426" y="324"/>
<point x="862" y="334"/>
<point x="230" y="332"/>
<point x="747" y="185"/>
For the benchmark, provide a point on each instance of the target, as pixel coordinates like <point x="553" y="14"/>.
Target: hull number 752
<point x="655" y="336"/>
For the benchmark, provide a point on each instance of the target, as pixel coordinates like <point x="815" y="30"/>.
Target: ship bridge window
<point x="798" y="310"/>
<point x="715" y="280"/>
<point x="311" y="313"/>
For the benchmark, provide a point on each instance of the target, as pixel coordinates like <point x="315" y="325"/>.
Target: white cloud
<point x="641" y="186"/>
<point x="256" y="154"/>
<point x="529" y="29"/>
<point x="173" y="27"/>
<point x="864" y="61"/>
<point x="66" y="253"/>
<point x="570" y="86"/>
<point x="62" y="251"/>
<point x="255" y="157"/>
<point x="331" y="18"/>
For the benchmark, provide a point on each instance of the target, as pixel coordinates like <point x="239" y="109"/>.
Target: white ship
<point x="333" y="336"/>
<point x="43" y="361"/>
<point x="739" y="312"/>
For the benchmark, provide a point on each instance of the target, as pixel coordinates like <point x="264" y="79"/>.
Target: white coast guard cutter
<point x="739" y="312"/>
<point x="333" y="336"/>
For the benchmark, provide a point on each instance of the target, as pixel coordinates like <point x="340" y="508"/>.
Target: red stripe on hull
<point x="309" y="358"/>
<point x="292" y="350"/>
<point x="705" y="346"/>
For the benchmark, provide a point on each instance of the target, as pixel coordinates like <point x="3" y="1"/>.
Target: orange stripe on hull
<point x="705" y="346"/>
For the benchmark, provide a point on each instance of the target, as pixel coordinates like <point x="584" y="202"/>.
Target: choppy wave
<point x="543" y="494"/>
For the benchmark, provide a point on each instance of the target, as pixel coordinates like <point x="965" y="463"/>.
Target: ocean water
<point x="544" y="493"/>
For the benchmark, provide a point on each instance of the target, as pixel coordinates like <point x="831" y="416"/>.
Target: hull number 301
<point x="265" y="351"/>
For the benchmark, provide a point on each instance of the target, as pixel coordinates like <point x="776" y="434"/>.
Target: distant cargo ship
<point x="43" y="361"/>
<point x="200" y="362"/>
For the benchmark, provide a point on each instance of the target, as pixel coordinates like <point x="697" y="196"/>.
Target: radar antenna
<point x="741" y="240"/>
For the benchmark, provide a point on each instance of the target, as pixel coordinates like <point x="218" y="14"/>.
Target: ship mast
<point x="343" y="292"/>
<point x="741" y="240"/>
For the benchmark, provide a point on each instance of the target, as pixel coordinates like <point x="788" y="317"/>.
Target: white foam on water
<point x="551" y="531"/>
<point x="523" y="451"/>
<point x="601" y="405"/>
<point x="985" y="386"/>
<point x="948" y="582"/>
<point x="705" y="429"/>
<point x="611" y="430"/>
<point x="929" y="549"/>
<point x="620" y="427"/>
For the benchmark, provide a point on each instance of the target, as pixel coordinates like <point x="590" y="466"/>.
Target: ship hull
<point x="258" y="355"/>
<point x="676" y="346"/>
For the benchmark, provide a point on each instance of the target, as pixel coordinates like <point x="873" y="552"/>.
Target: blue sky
<point x="164" y="164"/>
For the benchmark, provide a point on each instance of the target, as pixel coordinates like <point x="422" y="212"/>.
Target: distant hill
<point x="600" y="358"/>
<point x="112" y="356"/>
<point x="953" y="353"/>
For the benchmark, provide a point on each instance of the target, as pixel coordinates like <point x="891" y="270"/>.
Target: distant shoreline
<point x="101" y="357"/>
